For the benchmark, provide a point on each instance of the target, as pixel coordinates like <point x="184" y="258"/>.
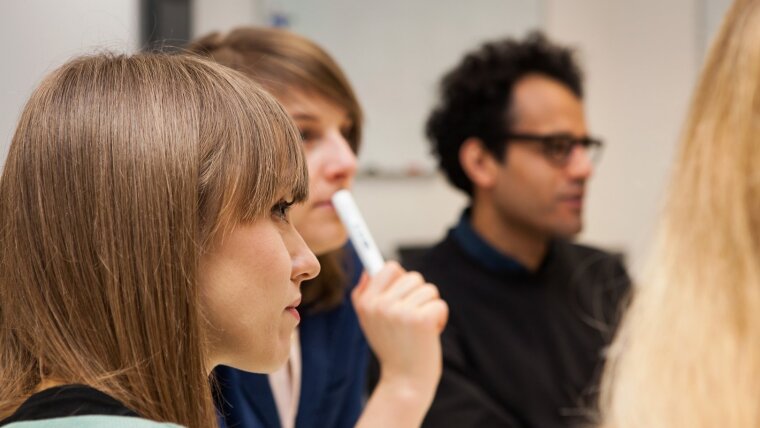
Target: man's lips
<point x="575" y="201"/>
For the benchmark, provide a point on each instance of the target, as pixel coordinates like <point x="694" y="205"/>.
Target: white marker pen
<point x="357" y="231"/>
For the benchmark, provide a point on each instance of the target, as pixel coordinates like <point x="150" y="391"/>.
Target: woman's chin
<point x="267" y="367"/>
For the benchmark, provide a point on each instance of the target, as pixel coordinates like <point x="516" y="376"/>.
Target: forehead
<point x="543" y="105"/>
<point x="307" y="104"/>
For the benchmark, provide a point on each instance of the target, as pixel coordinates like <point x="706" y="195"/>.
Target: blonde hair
<point x="283" y="61"/>
<point x="688" y="352"/>
<point x="121" y="169"/>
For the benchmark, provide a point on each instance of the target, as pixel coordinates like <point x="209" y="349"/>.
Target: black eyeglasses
<point x="558" y="147"/>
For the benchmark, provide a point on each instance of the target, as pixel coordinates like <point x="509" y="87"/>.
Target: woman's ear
<point x="478" y="163"/>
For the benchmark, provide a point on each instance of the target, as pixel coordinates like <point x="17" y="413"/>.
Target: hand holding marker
<point x="402" y="317"/>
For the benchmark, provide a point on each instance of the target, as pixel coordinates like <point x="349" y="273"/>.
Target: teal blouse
<point x="92" y="421"/>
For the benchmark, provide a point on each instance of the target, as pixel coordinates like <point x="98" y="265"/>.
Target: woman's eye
<point x="307" y="135"/>
<point x="346" y="132"/>
<point x="281" y="210"/>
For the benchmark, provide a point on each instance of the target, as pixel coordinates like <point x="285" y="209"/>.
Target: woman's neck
<point x="48" y="383"/>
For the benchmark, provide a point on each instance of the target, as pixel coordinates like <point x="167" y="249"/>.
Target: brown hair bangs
<point x="260" y="158"/>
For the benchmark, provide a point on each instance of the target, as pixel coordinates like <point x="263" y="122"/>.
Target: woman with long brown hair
<point x="322" y="386"/>
<point x="688" y="352"/>
<point x="145" y="238"/>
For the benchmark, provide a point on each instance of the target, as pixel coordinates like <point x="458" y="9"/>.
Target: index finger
<point x="384" y="278"/>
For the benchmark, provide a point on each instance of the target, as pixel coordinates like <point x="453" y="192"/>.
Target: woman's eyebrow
<point x="304" y="116"/>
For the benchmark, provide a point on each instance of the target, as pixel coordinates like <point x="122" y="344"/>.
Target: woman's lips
<point x="292" y="308"/>
<point x="294" y="312"/>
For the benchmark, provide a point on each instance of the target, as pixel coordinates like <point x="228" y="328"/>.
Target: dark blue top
<point x="334" y="357"/>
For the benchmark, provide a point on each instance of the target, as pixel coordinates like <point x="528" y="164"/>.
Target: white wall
<point x="711" y="13"/>
<point x="641" y="58"/>
<point x="39" y="35"/>
<point x="222" y="15"/>
<point x="394" y="52"/>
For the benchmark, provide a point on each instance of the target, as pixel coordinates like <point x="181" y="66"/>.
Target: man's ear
<point x="478" y="163"/>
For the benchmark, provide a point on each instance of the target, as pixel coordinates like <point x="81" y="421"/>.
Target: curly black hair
<point x="475" y="96"/>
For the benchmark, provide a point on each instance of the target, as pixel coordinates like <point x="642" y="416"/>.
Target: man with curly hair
<point x="531" y="312"/>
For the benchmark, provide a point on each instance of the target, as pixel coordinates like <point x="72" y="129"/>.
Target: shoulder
<point x="583" y="250"/>
<point x="585" y="259"/>
<point x="72" y="405"/>
<point x="442" y="253"/>
<point x="599" y="277"/>
<point x="92" y="421"/>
